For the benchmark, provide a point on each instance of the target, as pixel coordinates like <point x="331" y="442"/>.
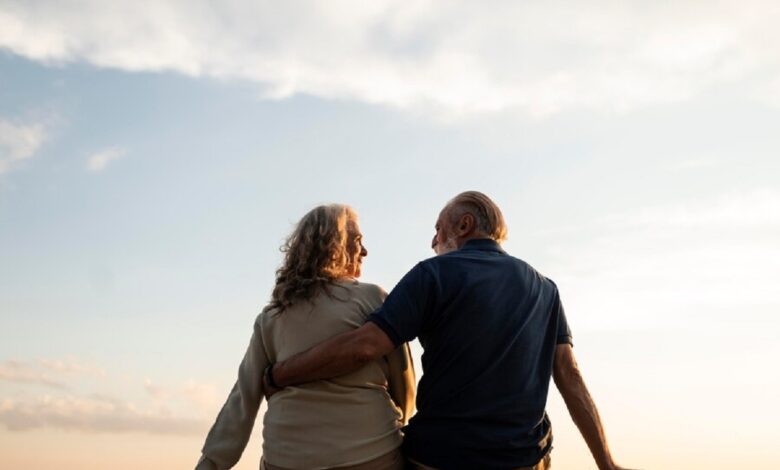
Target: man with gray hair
<point x="494" y="333"/>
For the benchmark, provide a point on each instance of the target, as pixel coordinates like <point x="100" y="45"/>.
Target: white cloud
<point x="450" y="57"/>
<point x="675" y="265"/>
<point x="98" y="162"/>
<point x="92" y="414"/>
<point x="18" y="142"/>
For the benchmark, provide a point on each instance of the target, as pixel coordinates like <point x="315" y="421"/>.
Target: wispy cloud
<point x="53" y="373"/>
<point x="739" y="212"/>
<point x="455" y="57"/>
<point x="21" y="372"/>
<point x="675" y="264"/>
<point x="203" y="397"/>
<point x="693" y="164"/>
<point x="183" y="408"/>
<point x="95" y="413"/>
<point x="98" y="161"/>
<point x="18" y="142"/>
<point x="75" y="400"/>
<point x="71" y="366"/>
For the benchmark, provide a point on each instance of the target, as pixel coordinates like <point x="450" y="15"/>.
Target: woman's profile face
<point x="355" y="249"/>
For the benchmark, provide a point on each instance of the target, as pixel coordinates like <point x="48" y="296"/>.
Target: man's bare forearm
<point x="337" y="356"/>
<point x="582" y="409"/>
<point x="585" y="415"/>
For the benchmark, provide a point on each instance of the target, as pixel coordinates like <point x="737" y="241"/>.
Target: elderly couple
<point x="331" y="355"/>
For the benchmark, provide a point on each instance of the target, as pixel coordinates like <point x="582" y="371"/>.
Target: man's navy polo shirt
<point x="489" y="324"/>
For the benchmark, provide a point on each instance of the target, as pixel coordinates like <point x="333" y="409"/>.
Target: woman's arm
<point x="401" y="380"/>
<point x="230" y="433"/>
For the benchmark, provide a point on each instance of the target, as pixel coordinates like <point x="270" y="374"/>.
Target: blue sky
<point x="153" y="157"/>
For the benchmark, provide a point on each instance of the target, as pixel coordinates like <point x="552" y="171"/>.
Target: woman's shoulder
<point x="267" y="315"/>
<point x="367" y="290"/>
<point x="365" y="294"/>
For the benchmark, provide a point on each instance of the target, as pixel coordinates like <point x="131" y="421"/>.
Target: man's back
<point x="489" y="324"/>
<point x="494" y="332"/>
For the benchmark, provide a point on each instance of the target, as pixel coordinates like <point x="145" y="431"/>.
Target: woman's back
<point x="344" y="421"/>
<point x="347" y="421"/>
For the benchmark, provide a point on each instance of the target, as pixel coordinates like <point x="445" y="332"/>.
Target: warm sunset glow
<point x="153" y="158"/>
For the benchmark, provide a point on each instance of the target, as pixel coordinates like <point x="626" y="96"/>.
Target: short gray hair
<point x="487" y="216"/>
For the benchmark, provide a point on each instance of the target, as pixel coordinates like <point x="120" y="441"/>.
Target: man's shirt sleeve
<point x="564" y="333"/>
<point x="402" y="316"/>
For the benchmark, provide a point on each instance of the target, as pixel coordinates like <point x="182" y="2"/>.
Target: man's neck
<point x="475" y="236"/>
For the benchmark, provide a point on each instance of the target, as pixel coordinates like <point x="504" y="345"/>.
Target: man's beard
<point x="446" y="247"/>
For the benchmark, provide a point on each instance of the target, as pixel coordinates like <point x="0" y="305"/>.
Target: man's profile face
<point x="443" y="241"/>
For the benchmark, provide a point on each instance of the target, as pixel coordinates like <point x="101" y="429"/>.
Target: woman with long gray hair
<point x="350" y="422"/>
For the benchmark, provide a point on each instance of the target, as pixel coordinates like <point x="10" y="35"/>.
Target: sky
<point x="155" y="154"/>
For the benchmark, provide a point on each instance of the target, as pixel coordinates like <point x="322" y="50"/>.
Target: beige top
<point x="329" y="423"/>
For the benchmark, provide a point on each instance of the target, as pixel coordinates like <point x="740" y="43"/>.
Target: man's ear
<point x="466" y="225"/>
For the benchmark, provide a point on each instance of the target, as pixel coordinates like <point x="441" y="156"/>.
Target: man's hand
<point x="269" y="390"/>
